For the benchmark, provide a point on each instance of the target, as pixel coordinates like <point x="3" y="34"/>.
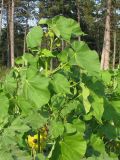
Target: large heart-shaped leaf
<point x="35" y="88"/>
<point x="60" y="83"/>
<point x="34" y="37"/>
<point x="80" y="54"/>
<point x="64" y="27"/>
<point x="71" y="147"/>
<point x="85" y="58"/>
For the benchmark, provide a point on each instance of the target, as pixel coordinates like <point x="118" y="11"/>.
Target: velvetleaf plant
<point x="64" y="91"/>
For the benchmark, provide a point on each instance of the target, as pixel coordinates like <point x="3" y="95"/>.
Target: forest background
<point x="99" y="20"/>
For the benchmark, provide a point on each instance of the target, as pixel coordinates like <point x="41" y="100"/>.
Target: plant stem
<point x="58" y="68"/>
<point x="38" y="141"/>
<point x="51" y="48"/>
<point x="46" y="68"/>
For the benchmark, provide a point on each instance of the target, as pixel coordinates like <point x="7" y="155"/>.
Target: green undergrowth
<point x="3" y="71"/>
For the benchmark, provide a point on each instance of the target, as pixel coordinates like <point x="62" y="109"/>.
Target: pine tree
<point x="106" y="44"/>
<point x="10" y="13"/>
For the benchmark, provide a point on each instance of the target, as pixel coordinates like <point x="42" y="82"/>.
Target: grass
<point x="3" y="71"/>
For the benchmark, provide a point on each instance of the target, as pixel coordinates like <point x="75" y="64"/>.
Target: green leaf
<point x="69" y="107"/>
<point x="5" y="155"/>
<point x="111" y="112"/>
<point x="29" y="59"/>
<point x="24" y="105"/>
<point x="84" y="57"/>
<point x="13" y="134"/>
<point x="40" y="157"/>
<point x="19" y="60"/>
<point x="63" y="27"/>
<point x="88" y="116"/>
<point x="116" y="105"/>
<point x="71" y="147"/>
<point x="35" y="89"/>
<point x="80" y="54"/>
<point x="34" y="37"/>
<point x="98" y="106"/>
<point x="79" y="125"/>
<point x="110" y="131"/>
<point x="57" y="101"/>
<point x="85" y="94"/>
<point x="36" y="120"/>
<point x="103" y="156"/>
<point x="4" y="105"/>
<point x="22" y="157"/>
<point x="70" y="128"/>
<point x="67" y="27"/>
<point x="47" y="53"/>
<point x="10" y="84"/>
<point x="60" y="84"/>
<point x="56" y="129"/>
<point x="118" y="83"/>
<point x="20" y="154"/>
<point x="106" y="77"/>
<point x="18" y="125"/>
<point x="63" y="56"/>
<point x="43" y="21"/>
<point x="7" y="139"/>
<point x="97" y="143"/>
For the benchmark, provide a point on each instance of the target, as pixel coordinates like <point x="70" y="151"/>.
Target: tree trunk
<point x="26" y="27"/>
<point x="8" y="34"/>
<point x="11" y="31"/>
<point x="1" y="11"/>
<point x="25" y="34"/>
<point x="78" y="15"/>
<point x="106" y="43"/>
<point x="12" y="34"/>
<point x="24" y="45"/>
<point x="114" y="52"/>
<point x="1" y="15"/>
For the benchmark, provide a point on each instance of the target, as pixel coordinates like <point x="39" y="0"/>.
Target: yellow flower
<point x="33" y="140"/>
